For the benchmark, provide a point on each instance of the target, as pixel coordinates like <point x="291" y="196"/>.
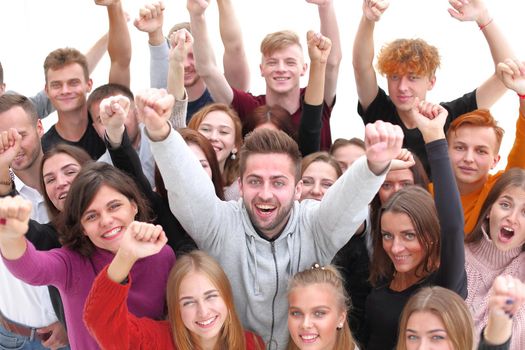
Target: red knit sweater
<point x="108" y="320"/>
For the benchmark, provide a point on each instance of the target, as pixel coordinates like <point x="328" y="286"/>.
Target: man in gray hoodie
<point x="267" y="236"/>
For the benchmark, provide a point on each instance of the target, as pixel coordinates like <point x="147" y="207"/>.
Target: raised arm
<point x="150" y="20"/>
<point x="310" y="127"/>
<point x="430" y="119"/>
<point x="236" y="69"/>
<point x="506" y="297"/>
<point x="106" y="314"/>
<point x="181" y="41"/>
<point x="363" y="52"/>
<point x="330" y="29"/>
<point x="95" y="52"/>
<point x="475" y="10"/>
<point x="205" y="63"/>
<point x="119" y="42"/>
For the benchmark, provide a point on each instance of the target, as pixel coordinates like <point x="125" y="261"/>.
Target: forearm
<point x="178" y="114"/>
<point x="158" y="68"/>
<point x="13" y="249"/>
<point x="500" y="48"/>
<point x="498" y="329"/>
<point x="176" y="79"/>
<point x="314" y="93"/>
<point x="236" y="69"/>
<point x="330" y="29"/>
<point x="362" y="61"/>
<point x="95" y="53"/>
<point x="120" y="266"/>
<point x="119" y="45"/>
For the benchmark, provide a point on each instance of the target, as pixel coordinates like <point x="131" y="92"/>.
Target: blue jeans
<point x="13" y="341"/>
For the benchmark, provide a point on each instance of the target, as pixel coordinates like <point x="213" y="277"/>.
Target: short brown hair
<point x="278" y="41"/>
<point x="266" y="141"/>
<point x="231" y="168"/>
<point x="276" y="115"/>
<point x="478" y="118"/>
<point x="82" y="192"/>
<point x="340" y="142"/>
<point x="321" y="157"/>
<point x="514" y="177"/>
<point x="8" y="101"/>
<point x="419" y="206"/>
<point x="449" y="307"/>
<point x="179" y="26"/>
<point x="60" y="58"/>
<point x="404" y="56"/>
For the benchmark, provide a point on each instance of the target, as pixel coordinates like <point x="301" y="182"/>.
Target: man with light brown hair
<point x="281" y="66"/>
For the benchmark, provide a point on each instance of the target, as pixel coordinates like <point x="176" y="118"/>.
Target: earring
<point x="339" y="327"/>
<point x="233" y="156"/>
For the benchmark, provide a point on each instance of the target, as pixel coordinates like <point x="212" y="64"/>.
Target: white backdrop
<point x="32" y="28"/>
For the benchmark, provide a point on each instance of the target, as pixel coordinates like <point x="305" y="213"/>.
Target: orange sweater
<point x="472" y="202"/>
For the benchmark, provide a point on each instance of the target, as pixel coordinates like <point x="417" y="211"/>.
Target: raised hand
<point x="511" y="72"/>
<point x="469" y="10"/>
<point x="180" y="43"/>
<point x="507" y="295"/>
<point x="430" y="119"/>
<point x="151" y="17"/>
<point x="154" y="109"/>
<point x="14" y="218"/>
<point x="374" y="9"/>
<point x="107" y="2"/>
<point x="319" y="46"/>
<point x="404" y="160"/>
<point x="114" y="111"/>
<point x="383" y="143"/>
<point x="142" y="239"/>
<point x="9" y="147"/>
<point x="197" y="7"/>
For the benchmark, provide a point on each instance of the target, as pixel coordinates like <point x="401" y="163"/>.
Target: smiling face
<point x="400" y="242"/>
<point x="30" y="151"/>
<point x="402" y="89"/>
<point x="507" y="219"/>
<point x="67" y="87"/>
<point x="314" y="316"/>
<point x="268" y="189"/>
<point x="473" y="154"/>
<point x="317" y="179"/>
<point x="203" y="310"/>
<point x="106" y="218"/>
<point x="283" y="68"/>
<point x="426" y="331"/>
<point x="59" y="171"/>
<point x="218" y="127"/>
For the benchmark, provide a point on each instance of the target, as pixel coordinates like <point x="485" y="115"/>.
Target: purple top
<point x="73" y="275"/>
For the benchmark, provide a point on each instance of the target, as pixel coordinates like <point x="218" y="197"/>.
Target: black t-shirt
<point x="90" y="141"/>
<point x="194" y="106"/>
<point x="382" y="108"/>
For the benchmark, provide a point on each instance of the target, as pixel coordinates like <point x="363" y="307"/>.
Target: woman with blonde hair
<point x="317" y="311"/>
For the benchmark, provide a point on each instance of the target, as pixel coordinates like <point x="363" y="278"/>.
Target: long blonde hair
<point x="327" y="275"/>
<point x="232" y="334"/>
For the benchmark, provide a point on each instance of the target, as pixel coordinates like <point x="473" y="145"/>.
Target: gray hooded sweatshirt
<point x="258" y="269"/>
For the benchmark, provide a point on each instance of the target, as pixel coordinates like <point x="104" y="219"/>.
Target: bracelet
<point x="483" y="26"/>
<point x="522" y="97"/>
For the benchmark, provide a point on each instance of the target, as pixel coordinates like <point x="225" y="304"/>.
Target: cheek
<point x="187" y="316"/>
<point x="384" y="195"/>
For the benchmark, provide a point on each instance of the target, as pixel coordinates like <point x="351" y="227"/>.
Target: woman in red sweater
<point x="201" y="313"/>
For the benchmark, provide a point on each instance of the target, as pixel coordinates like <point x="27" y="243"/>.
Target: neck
<point x="468" y="188"/>
<point x="196" y="90"/>
<point x="291" y="101"/>
<point x="209" y="344"/>
<point x="403" y="280"/>
<point x="30" y="176"/>
<point x="407" y="119"/>
<point x="72" y="125"/>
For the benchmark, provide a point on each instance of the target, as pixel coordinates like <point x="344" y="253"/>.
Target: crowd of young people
<point x="195" y="215"/>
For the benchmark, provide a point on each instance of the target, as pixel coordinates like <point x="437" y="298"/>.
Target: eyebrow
<point x="439" y="330"/>
<point x="64" y="167"/>
<point x="211" y="291"/>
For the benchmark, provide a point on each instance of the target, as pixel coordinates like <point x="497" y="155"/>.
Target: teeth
<point x="207" y="322"/>
<point x="308" y="337"/>
<point x="508" y="229"/>
<point x="281" y="79"/>
<point x="112" y="233"/>
<point x="63" y="196"/>
<point x="265" y="207"/>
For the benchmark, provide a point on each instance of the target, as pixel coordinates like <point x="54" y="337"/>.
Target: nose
<point x="307" y="322"/>
<point x="280" y="66"/>
<point x="265" y="194"/>
<point x="397" y="246"/>
<point x="513" y="215"/>
<point x="62" y="181"/>
<point x="105" y="219"/>
<point x="202" y="310"/>
<point x="317" y="189"/>
<point x="214" y="134"/>
<point x="469" y="156"/>
<point x="403" y="83"/>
